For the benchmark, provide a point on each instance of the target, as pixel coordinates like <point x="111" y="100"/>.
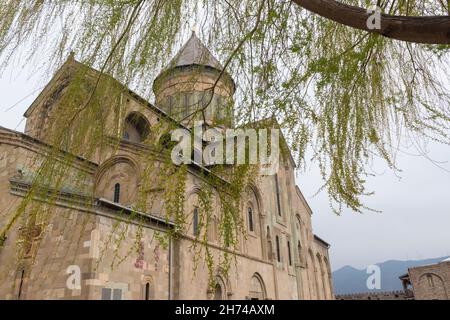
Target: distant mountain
<point x="351" y="280"/>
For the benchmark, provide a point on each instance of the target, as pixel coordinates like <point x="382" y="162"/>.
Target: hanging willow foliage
<point x="341" y="95"/>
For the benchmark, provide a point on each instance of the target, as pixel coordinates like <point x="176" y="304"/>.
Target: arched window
<point x="195" y="221"/>
<point x="299" y="250"/>
<point x="269" y="244"/>
<point x="186" y="101"/>
<point x="298" y="225"/>
<point x="250" y="219"/>
<point x="301" y="256"/>
<point x="169" y="105"/>
<point x="289" y="253"/>
<point x="186" y="106"/>
<point x="277" y="243"/>
<point x="136" y="128"/>
<point x="430" y="280"/>
<point x="147" y="291"/>
<point x="22" y="276"/>
<point x="277" y="189"/>
<point x="117" y="193"/>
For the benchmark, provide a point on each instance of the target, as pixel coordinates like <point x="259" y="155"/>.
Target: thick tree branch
<point x="431" y="30"/>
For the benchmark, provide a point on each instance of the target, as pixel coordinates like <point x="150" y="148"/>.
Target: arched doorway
<point x="257" y="288"/>
<point x="218" y="292"/>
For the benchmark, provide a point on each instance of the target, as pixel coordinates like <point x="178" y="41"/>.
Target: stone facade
<point x="280" y="258"/>
<point x="429" y="282"/>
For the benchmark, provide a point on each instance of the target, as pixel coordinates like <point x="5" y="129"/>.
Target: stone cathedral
<point x="279" y="258"/>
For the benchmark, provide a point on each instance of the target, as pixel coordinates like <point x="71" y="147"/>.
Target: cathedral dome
<point x="183" y="89"/>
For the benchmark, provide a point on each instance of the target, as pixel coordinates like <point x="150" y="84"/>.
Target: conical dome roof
<point x="181" y="86"/>
<point x="194" y="52"/>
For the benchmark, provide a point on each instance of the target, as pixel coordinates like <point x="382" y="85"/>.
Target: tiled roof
<point x="194" y="52"/>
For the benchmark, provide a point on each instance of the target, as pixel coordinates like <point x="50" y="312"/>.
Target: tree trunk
<point x="431" y="30"/>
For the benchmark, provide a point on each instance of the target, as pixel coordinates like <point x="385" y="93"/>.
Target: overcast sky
<point x="415" y="204"/>
<point x="415" y="218"/>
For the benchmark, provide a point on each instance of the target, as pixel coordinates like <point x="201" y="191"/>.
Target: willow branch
<point x="425" y="29"/>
